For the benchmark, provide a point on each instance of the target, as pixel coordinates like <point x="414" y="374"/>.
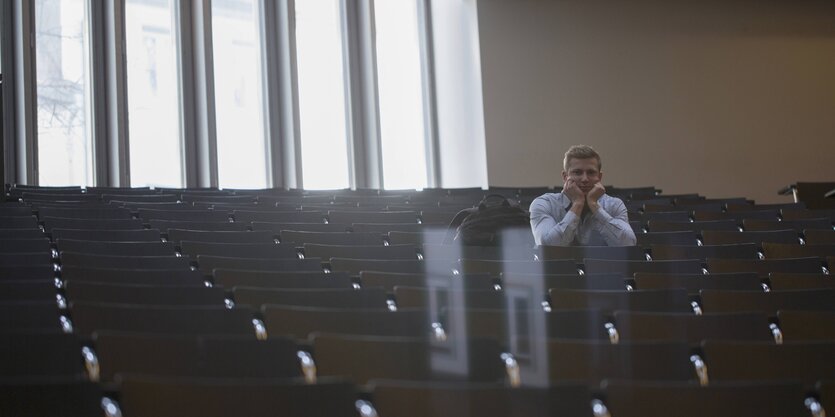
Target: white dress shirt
<point x="554" y="224"/>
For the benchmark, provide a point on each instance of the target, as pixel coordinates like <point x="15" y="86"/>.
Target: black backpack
<point x="482" y="225"/>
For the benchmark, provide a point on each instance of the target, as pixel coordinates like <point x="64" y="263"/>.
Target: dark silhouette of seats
<point x="223" y="226"/>
<point x="673" y="252"/>
<point x="667" y="238"/>
<point x="277" y="228"/>
<point x="565" y="281"/>
<point x="657" y="226"/>
<point x="252" y="397"/>
<point x="721" y="301"/>
<point x="26" y="259"/>
<point x="183" y="215"/>
<point x="349" y="217"/>
<point x="160" y="277"/>
<point x="239" y="250"/>
<point x="28" y="290"/>
<point x="668" y="216"/>
<point x="641" y="399"/>
<point x="495" y="253"/>
<point x="629" y="268"/>
<point x="143" y="294"/>
<point x="295" y="216"/>
<point x="231" y="278"/>
<point x="775" y="206"/>
<point x="693" y="283"/>
<point x="356" y="266"/>
<point x="783" y="251"/>
<point x="419" y="399"/>
<point x="149" y="198"/>
<point x="384" y="228"/>
<point x="719" y="237"/>
<point x="217" y="198"/>
<point x="368" y="298"/>
<point x="819" y="237"/>
<point x="179" y="235"/>
<point x="497" y="267"/>
<point x="799" y="214"/>
<point x="331" y="238"/>
<point x="88" y="318"/>
<point x="299" y="322"/>
<point x="668" y="301"/>
<point x="26" y="273"/>
<point x="28" y="355"/>
<point x="364" y="358"/>
<point x="42" y="397"/>
<point x="578" y="253"/>
<point x="15" y="210"/>
<point x="799" y="281"/>
<point x="207" y="264"/>
<point x="763" y="267"/>
<point x="51" y="223"/>
<point x="18" y="222"/>
<point x="21" y="234"/>
<point x="156" y="248"/>
<point x="150" y="235"/>
<point x="126" y="262"/>
<point x="427" y="236"/>
<point x="807" y="326"/>
<point x="392" y="252"/>
<point x="24" y="245"/>
<point x="93" y="213"/>
<point x="420" y="297"/>
<point x="29" y="316"/>
<point x="690" y="328"/>
<point x="195" y="356"/>
<point x="741" y="361"/>
<point x="754" y="225"/>
<point x="739" y="216"/>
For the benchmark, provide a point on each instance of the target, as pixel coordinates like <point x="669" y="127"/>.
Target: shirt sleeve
<point x="550" y="230"/>
<point x="613" y="224"/>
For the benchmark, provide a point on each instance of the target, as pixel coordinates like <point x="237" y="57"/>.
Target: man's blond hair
<point x="581" y="152"/>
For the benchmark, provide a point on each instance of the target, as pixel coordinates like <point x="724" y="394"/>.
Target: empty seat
<point x="427" y="236"/>
<point x="26" y="259"/>
<point x="28" y="290"/>
<point x="807" y="326"/>
<point x="26" y="273"/>
<point x="388" y="280"/>
<point x="439" y="297"/>
<point x="669" y="301"/>
<point x="28" y="355"/>
<point x="368" y="298"/>
<point x="360" y="252"/>
<point x="355" y="266"/>
<point x="24" y="245"/>
<point x="18" y="222"/>
<point x="629" y="268"/>
<point x="331" y="238"/>
<point x="753" y="225"/>
<point x="207" y="264"/>
<point x="183" y="215"/>
<point x="239" y="250"/>
<point x="276" y="228"/>
<point x="126" y="262"/>
<point x="179" y="235"/>
<point x="150" y="198"/>
<point x="47" y="397"/>
<point x="794" y="250"/>
<point x="595" y="361"/>
<point x="693" y="283"/>
<point x="222" y="226"/>
<point x="387" y="227"/>
<point x="94" y="213"/>
<point x="29" y="316"/>
<point x="156" y="248"/>
<point x="739" y="361"/>
<point x="799" y="214"/>
<point x="566" y="281"/>
<point x="21" y="234"/>
<point x="296" y="216"/>
<point x="667" y="238"/>
<point x="336" y="216"/>
<point x="672" y="252"/>
<point x="50" y="223"/>
<point x="299" y="322"/>
<point x="668" y="216"/>
<point x="718" y="237"/>
<point x="702" y="215"/>
<point x="550" y="267"/>
<point x="150" y="235"/>
<point x="455" y="251"/>
<point x="143" y="294"/>
<point x="799" y="281"/>
<point x="695" y="227"/>
<point x="720" y="301"/>
<point x="171" y="277"/>
<point x="763" y="267"/>
<point x="230" y="278"/>
<point x="819" y="237"/>
<point x="690" y="328"/>
<point x="578" y="253"/>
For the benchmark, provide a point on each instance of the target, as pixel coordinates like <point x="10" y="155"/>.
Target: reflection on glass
<point x="153" y="90"/>
<point x="241" y="150"/>
<point x="63" y="92"/>
<point x="321" y="94"/>
<point x="401" y="94"/>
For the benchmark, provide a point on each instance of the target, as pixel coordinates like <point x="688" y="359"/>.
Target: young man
<point x="582" y="214"/>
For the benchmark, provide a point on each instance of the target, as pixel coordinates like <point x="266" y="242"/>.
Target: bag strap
<point x="498" y="198"/>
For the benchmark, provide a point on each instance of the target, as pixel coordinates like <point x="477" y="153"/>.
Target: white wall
<point x="726" y="98"/>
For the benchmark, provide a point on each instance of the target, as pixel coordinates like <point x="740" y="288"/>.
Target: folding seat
<point x="734" y="251"/>
<point x="785" y="250"/>
<point x="150" y="235"/>
<point x="295" y="199"/>
<point x="160" y="277"/>
<point x="661" y="208"/>
<point x="164" y="225"/>
<point x="337" y="216"/>
<point x="183" y="215"/>
<point x="21" y="234"/>
<point x="335" y="238"/>
<point x="718" y="237"/>
<point x="88" y="318"/>
<point x="699" y="201"/>
<point x="657" y="226"/>
<point x="50" y="223"/>
<point x="496" y="253"/>
<point x="668" y="216"/>
<point x="388" y="280"/>
<point x="299" y="322"/>
<point x="195" y="356"/>
<point x="239" y="250"/>
<point x="740" y="361"/>
<point x="666" y="301"/>
<point x="392" y="252"/>
<point x="28" y="355"/>
<point x="25" y="245"/>
<point x="120" y="190"/>
<point x="47" y="397"/>
<point x="789" y="214"/>
<point x="28" y="290"/>
<point x="355" y="266"/>
<point x="295" y="216"/>
<point x="739" y="216"/>
<point x="629" y="268"/>
<point x="433" y="237"/>
<point x="15" y="210"/>
<point x="595" y="361"/>
<point x="641" y="399"/>
<point x="231" y="278"/>
<point x="667" y="238"/>
<point x="207" y="264"/>
<point x="220" y="198"/>
<point x="139" y="294"/>
<point x="18" y="222"/>
<point x="724" y="301"/>
<point x="179" y="235"/>
<point x="437" y="217"/>
<point x="367" y="298"/>
<point x="812" y="194"/>
<point x="819" y="237"/>
<point x="157" y="248"/>
<point x="93" y="213"/>
<point x="693" y="283"/>
<point x="364" y="358"/>
<point x="371" y="199"/>
<point x="277" y="228"/>
<point x="799" y="281"/>
<point x="126" y="262"/>
<point x="384" y="228"/>
<point x="27" y="273"/>
<point x="763" y="267"/>
<point x="756" y="225"/>
<point x="231" y="207"/>
<point x="755" y="207"/>
<point x="151" y="198"/>
<point x="826" y="393"/>
<point x="30" y="316"/>
<point x="26" y="259"/>
<point x="807" y="326"/>
<point x="53" y="197"/>
<point x="426" y="297"/>
<point x="690" y="328"/>
<point x="578" y="253"/>
<point x="550" y="267"/>
<point x="251" y="397"/>
<point x="155" y="207"/>
<point x="566" y="281"/>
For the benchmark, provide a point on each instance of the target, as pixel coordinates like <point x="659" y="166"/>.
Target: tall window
<point x="153" y="92"/>
<point x="321" y="72"/>
<point x="63" y="92"/>
<point x="401" y="94"/>
<point x="241" y="150"/>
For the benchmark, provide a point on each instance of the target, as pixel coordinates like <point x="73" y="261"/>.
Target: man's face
<point x="584" y="172"/>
